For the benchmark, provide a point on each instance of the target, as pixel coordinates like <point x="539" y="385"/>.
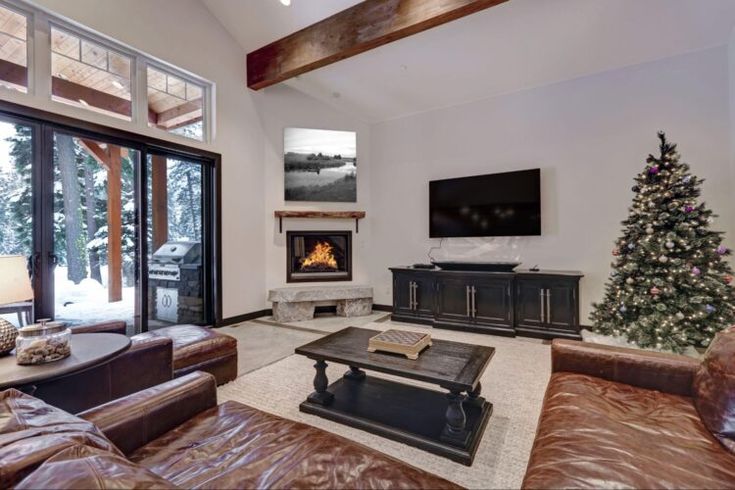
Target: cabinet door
<point x="424" y="295"/>
<point x="402" y="293"/>
<point x="530" y="303"/>
<point x="561" y="305"/>
<point x="452" y="300"/>
<point x="492" y="301"/>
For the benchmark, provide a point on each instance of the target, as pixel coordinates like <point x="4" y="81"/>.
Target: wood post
<point x="159" y="200"/>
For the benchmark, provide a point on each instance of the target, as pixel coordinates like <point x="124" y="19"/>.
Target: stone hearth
<point x="294" y="304"/>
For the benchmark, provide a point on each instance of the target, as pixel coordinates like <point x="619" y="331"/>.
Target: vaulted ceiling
<point x="514" y="46"/>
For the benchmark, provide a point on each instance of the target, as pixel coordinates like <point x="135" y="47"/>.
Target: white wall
<point x="281" y="107"/>
<point x="184" y="33"/>
<point x="589" y="136"/>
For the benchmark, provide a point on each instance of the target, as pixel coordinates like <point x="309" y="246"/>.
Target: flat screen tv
<point x="505" y="204"/>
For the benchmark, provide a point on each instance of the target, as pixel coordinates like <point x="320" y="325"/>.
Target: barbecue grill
<point x="175" y="282"/>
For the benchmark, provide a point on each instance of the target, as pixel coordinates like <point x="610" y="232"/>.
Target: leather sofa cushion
<point x="90" y="468"/>
<point x="595" y="433"/>
<point x="32" y="431"/>
<point x="234" y="445"/>
<point x="714" y="388"/>
<point x="194" y="344"/>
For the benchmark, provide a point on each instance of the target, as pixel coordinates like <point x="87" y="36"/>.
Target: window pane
<point x="13" y="50"/>
<point x="16" y="200"/>
<point x="175" y="105"/>
<point x="89" y="75"/>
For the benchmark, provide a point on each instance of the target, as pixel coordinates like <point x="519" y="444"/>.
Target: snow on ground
<point x="86" y="302"/>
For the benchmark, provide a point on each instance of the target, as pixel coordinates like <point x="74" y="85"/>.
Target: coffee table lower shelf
<point x="404" y="413"/>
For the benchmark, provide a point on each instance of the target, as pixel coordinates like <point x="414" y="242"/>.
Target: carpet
<point x="514" y="382"/>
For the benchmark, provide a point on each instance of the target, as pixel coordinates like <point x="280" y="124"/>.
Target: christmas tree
<point x="670" y="283"/>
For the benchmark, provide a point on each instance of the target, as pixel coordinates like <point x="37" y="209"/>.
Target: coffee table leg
<point x="454" y="431"/>
<point x="355" y="373"/>
<point x="474" y="395"/>
<point x="321" y="395"/>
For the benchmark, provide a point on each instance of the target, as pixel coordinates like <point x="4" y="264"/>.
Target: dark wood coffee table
<point x="450" y="424"/>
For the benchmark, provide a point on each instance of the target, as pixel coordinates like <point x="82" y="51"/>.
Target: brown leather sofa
<point x="146" y="363"/>
<point x="627" y="418"/>
<point x="175" y="435"/>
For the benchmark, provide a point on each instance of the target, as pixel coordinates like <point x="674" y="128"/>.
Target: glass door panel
<point x="175" y="223"/>
<point x="16" y="205"/>
<point x="94" y="230"/>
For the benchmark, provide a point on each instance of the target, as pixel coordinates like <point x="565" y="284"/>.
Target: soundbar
<point x="451" y="265"/>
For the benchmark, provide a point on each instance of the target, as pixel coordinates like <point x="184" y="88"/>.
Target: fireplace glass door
<point x="319" y="256"/>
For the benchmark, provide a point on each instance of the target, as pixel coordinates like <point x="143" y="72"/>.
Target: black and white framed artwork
<point x="320" y="165"/>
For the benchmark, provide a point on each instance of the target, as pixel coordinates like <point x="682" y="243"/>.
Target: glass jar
<point x="42" y="342"/>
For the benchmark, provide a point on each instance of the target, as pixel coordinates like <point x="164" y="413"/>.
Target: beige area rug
<point x="514" y="382"/>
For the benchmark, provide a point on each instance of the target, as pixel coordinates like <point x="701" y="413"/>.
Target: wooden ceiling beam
<point x="360" y="28"/>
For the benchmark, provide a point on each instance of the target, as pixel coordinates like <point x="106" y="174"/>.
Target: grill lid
<point x="179" y="253"/>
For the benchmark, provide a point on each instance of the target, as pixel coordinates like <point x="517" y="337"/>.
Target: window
<point x="175" y="105"/>
<point x="90" y="75"/>
<point x="13" y="50"/>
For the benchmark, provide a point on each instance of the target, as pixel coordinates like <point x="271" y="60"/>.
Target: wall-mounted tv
<point x="504" y="204"/>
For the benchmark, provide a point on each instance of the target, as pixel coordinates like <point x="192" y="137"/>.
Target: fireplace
<point x="318" y="256"/>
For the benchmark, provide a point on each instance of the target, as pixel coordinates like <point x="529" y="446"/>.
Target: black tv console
<point x="542" y="304"/>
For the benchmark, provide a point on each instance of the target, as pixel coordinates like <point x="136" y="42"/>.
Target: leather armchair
<point x="148" y="362"/>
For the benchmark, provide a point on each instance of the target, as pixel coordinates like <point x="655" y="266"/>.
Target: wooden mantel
<point x="356" y="215"/>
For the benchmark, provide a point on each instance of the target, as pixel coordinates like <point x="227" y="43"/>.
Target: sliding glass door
<point x="112" y="229"/>
<point x="94" y="230"/>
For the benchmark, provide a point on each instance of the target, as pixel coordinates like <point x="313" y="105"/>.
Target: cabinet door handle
<point x="474" y="302"/>
<point x="541" y="300"/>
<point x="410" y="295"/>
<point x="548" y="306"/>
<point x="415" y="296"/>
<point x="467" y="297"/>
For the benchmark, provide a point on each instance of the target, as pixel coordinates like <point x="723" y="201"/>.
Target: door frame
<point x="43" y="125"/>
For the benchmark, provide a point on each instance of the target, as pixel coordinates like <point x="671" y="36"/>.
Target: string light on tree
<point x="671" y="283"/>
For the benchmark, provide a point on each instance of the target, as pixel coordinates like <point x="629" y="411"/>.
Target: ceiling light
<point x="83" y="102"/>
<point x="117" y="85"/>
<point x="285" y="2"/>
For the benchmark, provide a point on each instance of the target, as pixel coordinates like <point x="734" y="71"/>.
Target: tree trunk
<point x="91" y="200"/>
<point x="192" y="207"/>
<point x="73" y="229"/>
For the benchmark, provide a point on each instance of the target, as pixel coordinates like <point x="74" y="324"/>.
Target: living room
<point x="379" y="244"/>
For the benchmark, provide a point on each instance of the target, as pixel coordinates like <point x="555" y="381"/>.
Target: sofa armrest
<point x="668" y="373"/>
<point x="104" y="327"/>
<point x="135" y="420"/>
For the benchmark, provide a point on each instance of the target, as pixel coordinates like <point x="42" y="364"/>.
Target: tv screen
<point x="505" y="204"/>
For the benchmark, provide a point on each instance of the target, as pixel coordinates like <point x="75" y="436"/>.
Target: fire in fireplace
<point x="319" y="256"/>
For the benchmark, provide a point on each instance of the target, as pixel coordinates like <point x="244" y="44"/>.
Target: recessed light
<point x="117" y="85"/>
<point x="83" y="102"/>
<point x="285" y="2"/>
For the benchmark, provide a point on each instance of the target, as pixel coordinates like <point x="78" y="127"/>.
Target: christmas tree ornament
<point x="616" y="252"/>
<point x="673" y="272"/>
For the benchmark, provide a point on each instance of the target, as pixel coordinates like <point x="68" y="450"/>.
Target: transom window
<point x="13" y="50"/>
<point x="87" y="74"/>
<point x="174" y="104"/>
